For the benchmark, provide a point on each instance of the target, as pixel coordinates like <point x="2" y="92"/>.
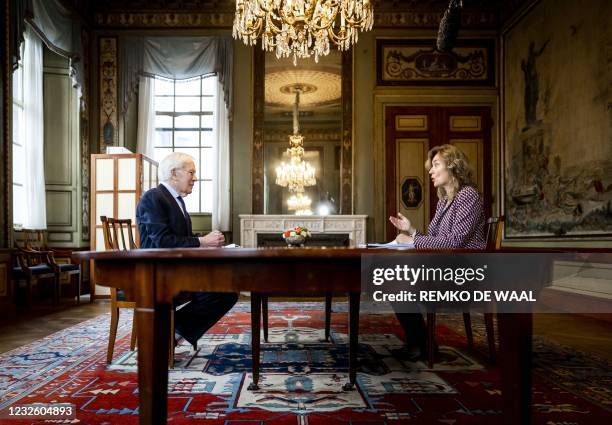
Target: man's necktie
<point x="185" y="214"/>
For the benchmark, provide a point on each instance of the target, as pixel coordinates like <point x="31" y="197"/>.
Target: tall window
<point x="185" y="121"/>
<point x="19" y="163"/>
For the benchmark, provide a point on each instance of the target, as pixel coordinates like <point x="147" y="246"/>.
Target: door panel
<point x="411" y="123"/>
<point x="473" y="148"/>
<point x="465" y="123"/>
<point x="411" y="198"/>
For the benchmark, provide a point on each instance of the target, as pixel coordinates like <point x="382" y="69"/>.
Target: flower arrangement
<point x="296" y="231"/>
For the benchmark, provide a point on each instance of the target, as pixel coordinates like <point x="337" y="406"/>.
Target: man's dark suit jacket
<point x="161" y="222"/>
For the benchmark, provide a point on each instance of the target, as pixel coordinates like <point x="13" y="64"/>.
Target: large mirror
<point x="302" y="106"/>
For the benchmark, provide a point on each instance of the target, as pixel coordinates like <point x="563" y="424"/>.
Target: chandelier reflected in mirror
<point x="299" y="203"/>
<point x="297" y="173"/>
<point x="302" y="27"/>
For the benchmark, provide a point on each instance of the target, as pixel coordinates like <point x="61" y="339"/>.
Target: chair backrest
<point x="495" y="227"/>
<point x="30" y="245"/>
<point x="115" y="232"/>
<point x="35" y="239"/>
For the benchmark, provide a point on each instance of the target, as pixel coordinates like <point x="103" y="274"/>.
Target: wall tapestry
<point x="558" y="122"/>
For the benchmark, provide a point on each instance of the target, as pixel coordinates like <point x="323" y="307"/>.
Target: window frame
<point x="202" y="146"/>
<point x="18" y="106"/>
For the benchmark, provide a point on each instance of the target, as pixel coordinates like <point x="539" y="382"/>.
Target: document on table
<point x="391" y="245"/>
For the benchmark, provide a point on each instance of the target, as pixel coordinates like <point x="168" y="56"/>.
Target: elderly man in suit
<point x="163" y="222"/>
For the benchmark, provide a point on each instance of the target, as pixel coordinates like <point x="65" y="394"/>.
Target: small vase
<point x="295" y="241"/>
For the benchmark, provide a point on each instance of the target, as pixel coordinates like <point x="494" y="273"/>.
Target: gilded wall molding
<point x="225" y="19"/>
<point x="346" y="159"/>
<point x="178" y="19"/>
<point x="107" y="69"/>
<point x="416" y="62"/>
<point x="281" y="135"/>
<point x="84" y="132"/>
<point x="431" y="19"/>
<point x="257" y="206"/>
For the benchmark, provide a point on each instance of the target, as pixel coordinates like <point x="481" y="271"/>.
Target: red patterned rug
<point x="301" y="376"/>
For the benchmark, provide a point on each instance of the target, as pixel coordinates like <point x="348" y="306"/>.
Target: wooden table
<point x="154" y="277"/>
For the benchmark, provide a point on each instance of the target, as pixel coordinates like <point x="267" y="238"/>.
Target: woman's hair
<point x="174" y="161"/>
<point x="458" y="168"/>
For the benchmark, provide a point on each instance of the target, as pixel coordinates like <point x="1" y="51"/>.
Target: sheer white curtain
<point x="34" y="178"/>
<point x="146" y="117"/>
<point x="221" y="188"/>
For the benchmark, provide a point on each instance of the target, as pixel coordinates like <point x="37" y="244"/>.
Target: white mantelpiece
<point x="251" y="225"/>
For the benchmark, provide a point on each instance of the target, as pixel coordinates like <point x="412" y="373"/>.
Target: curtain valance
<point x="176" y="58"/>
<point x="56" y="26"/>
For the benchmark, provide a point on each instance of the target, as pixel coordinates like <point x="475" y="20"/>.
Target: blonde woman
<point x="459" y="220"/>
<point x="458" y="223"/>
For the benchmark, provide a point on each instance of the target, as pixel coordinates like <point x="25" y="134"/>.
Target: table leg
<point x="328" y="305"/>
<point x="92" y="282"/>
<point x="264" y="312"/>
<point x="153" y="324"/>
<point x="255" y="338"/>
<point x="515" y="332"/>
<point x="353" y="339"/>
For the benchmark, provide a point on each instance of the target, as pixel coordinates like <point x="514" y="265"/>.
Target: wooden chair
<point x="114" y="231"/>
<point x="33" y="266"/>
<point x="36" y="239"/>
<point x="494" y="232"/>
<point x="118" y="235"/>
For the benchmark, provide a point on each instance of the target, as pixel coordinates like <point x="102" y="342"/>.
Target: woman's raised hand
<point x="401" y="222"/>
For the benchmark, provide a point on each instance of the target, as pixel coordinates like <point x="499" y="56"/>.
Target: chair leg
<point x="171" y="349"/>
<point x="112" y="335"/>
<point x="78" y="289"/>
<point x="134" y="332"/>
<point x="264" y="316"/>
<point x="431" y="339"/>
<point x="488" y="319"/>
<point x="328" y="305"/>
<point x="467" y="321"/>
<point x="56" y="290"/>
<point x="59" y="288"/>
<point x="29" y="295"/>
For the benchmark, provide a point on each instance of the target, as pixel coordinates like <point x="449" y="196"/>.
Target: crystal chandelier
<point x="302" y="27"/>
<point x="297" y="173"/>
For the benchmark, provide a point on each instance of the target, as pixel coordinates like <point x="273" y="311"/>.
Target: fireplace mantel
<point x="353" y="225"/>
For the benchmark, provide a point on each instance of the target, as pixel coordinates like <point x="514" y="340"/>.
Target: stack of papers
<point x="391" y="245"/>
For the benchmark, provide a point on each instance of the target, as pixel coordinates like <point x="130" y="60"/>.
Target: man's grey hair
<point x="174" y="161"/>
